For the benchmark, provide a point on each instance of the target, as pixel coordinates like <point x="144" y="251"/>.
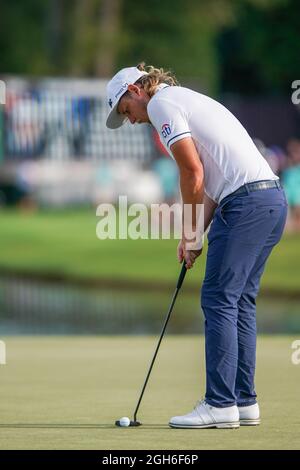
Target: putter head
<point x="132" y="423"/>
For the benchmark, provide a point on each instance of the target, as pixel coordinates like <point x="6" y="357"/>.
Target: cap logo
<point x="123" y="87"/>
<point x="110" y="102"/>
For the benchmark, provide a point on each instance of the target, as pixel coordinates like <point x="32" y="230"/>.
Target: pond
<point x="31" y="307"/>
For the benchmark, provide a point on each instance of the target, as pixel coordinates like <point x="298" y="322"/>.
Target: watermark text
<point x="2" y="353"/>
<point x="296" y="93"/>
<point x="295" y="358"/>
<point x="138" y="221"/>
<point x="2" y="92"/>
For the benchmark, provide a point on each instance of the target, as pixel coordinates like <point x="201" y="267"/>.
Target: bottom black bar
<point x="135" y="458"/>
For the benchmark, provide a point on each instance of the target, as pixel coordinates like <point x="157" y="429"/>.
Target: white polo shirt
<point x="228" y="154"/>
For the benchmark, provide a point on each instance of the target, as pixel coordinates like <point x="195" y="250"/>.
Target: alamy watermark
<point x="295" y="358"/>
<point x="2" y="92"/>
<point x="2" y="353"/>
<point x="296" y="94"/>
<point x="138" y="221"/>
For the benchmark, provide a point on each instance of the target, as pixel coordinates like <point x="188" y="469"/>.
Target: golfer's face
<point x="134" y="107"/>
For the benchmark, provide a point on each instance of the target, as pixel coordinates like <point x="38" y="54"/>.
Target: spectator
<point x="291" y="182"/>
<point x="274" y="155"/>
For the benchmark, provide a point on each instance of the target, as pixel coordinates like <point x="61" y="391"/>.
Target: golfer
<point x="221" y="168"/>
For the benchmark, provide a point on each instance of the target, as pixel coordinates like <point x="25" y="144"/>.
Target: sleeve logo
<point x="165" y="130"/>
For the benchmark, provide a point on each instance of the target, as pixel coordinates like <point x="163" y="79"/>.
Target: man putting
<point x="221" y="168"/>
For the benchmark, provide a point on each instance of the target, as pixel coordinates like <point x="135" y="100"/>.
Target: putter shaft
<point x="179" y="284"/>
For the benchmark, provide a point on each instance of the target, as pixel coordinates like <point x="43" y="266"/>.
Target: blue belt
<point x="257" y="185"/>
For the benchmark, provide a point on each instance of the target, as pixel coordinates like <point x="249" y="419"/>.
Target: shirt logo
<point x="110" y="102"/>
<point x="165" y="130"/>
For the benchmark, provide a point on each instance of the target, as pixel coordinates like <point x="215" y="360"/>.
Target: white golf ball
<point x="124" y="422"/>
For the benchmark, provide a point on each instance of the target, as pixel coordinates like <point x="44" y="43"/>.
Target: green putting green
<point x="66" y="393"/>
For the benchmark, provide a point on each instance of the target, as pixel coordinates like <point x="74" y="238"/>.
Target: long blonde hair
<point x="154" y="78"/>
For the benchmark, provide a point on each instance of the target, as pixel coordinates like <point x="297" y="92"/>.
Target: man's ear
<point x="134" y="89"/>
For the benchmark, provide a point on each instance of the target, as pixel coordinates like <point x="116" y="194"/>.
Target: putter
<point x="135" y="422"/>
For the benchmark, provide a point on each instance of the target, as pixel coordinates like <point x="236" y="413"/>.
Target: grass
<point x="66" y="392"/>
<point x="65" y="243"/>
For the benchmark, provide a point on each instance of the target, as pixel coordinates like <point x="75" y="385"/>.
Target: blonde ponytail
<point x="154" y="78"/>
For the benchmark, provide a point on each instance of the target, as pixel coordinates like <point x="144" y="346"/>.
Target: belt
<point x="256" y="186"/>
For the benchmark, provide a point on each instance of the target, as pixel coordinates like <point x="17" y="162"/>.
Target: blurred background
<point x="58" y="161"/>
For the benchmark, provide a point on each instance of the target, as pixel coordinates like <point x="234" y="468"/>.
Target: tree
<point x="260" y="53"/>
<point x="175" y="34"/>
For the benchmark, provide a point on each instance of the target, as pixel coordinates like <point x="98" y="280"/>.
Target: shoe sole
<point x="233" y="425"/>
<point x="249" y="422"/>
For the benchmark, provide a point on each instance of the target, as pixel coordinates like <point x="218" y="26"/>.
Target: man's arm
<point x="191" y="173"/>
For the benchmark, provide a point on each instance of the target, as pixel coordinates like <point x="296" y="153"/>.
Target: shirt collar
<point x="161" y="86"/>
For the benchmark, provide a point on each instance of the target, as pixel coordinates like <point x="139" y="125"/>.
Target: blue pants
<point x="244" y="230"/>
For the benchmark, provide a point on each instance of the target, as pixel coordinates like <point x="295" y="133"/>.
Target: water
<point x="30" y="307"/>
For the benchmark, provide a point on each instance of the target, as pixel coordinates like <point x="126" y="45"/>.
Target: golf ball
<point x="124" y="422"/>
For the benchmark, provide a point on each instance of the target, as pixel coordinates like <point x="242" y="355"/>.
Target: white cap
<point x="116" y="88"/>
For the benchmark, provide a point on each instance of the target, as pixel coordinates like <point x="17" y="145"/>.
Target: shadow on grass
<point x="74" y="426"/>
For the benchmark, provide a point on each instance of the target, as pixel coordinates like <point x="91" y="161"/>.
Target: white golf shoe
<point x="207" y="416"/>
<point x="249" y="415"/>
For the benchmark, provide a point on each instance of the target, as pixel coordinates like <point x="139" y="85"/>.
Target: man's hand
<point x="188" y="255"/>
